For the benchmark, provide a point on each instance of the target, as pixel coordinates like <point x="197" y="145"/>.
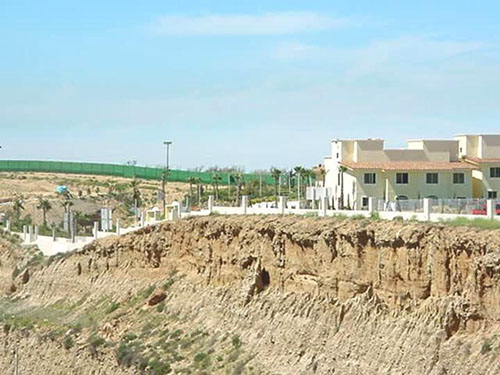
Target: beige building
<point x="483" y="152"/>
<point x="363" y="168"/>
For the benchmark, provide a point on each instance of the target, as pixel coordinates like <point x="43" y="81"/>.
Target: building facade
<point x="467" y="166"/>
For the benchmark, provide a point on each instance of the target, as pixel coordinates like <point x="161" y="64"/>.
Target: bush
<point x="113" y="307"/>
<point x="236" y="341"/>
<point x="476" y="223"/>
<point x="160" y="307"/>
<point x="68" y="342"/>
<point x="486" y="347"/>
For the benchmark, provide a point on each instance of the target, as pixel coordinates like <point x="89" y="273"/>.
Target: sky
<point x="250" y="83"/>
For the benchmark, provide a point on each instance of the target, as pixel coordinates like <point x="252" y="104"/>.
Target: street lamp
<point x="165" y="175"/>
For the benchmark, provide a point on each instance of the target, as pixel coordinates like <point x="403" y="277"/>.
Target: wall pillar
<point x="25" y="230"/>
<point x="73" y="232"/>
<point x="7" y="225"/>
<point x="282" y="205"/>
<point x="427" y="209"/>
<point x="31" y="233"/>
<point x="372" y="205"/>
<point x="118" y="228"/>
<point x="54" y="237"/>
<point x="143" y="220"/>
<point x="323" y="206"/>
<point x="210" y="204"/>
<point x="96" y="230"/>
<point x="490" y="209"/>
<point x="36" y="233"/>
<point x="244" y="204"/>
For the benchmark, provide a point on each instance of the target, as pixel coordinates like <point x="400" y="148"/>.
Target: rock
<point x="157" y="297"/>
<point x="26" y="277"/>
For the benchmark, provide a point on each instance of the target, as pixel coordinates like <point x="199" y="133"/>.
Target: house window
<point x="364" y="201"/>
<point x="495" y="172"/>
<point x="401" y="198"/>
<point x="492" y="195"/>
<point x="432" y="178"/>
<point x="337" y="155"/>
<point x="458" y="178"/>
<point x="338" y="179"/>
<point x="370" y="178"/>
<point x="402" y="178"/>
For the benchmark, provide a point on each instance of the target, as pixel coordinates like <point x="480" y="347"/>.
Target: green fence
<point x="128" y="171"/>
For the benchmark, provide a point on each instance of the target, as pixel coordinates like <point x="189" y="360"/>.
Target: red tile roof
<point x="409" y="165"/>
<point x="482" y="160"/>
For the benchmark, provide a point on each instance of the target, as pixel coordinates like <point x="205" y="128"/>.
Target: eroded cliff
<point x="278" y="295"/>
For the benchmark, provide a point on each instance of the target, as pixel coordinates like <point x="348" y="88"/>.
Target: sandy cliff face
<point x="304" y="296"/>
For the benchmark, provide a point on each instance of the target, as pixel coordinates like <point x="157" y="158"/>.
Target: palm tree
<point x="298" y="170"/>
<point x="198" y="182"/>
<point x="239" y="185"/>
<point x="276" y="174"/>
<point x="216" y="179"/>
<point x="192" y="181"/>
<point x="67" y="206"/>
<point x="342" y="169"/>
<point x="136" y="194"/>
<point x="45" y="206"/>
<point x="18" y="207"/>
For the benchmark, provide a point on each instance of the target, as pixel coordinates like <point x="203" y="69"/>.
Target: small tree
<point x="45" y="206"/>
<point x="18" y="207"/>
<point x="239" y="185"/>
<point x="342" y="170"/>
<point x="136" y="192"/>
<point x="217" y="180"/>
<point x="276" y="174"/>
<point x="192" y="181"/>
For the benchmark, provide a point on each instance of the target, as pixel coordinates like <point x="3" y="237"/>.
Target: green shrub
<point x="236" y="341"/>
<point x="148" y="291"/>
<point x="476" y="223"/>
<point x="486" y="347"/>
<point x="160" y="307"/>
<point x="68" y="342"/>
<point x="113" y="307"/>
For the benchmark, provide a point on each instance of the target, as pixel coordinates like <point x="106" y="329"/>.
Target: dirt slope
<point x="274" y="295"/>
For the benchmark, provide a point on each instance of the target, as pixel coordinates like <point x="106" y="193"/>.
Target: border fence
<point x="127" y="171"/>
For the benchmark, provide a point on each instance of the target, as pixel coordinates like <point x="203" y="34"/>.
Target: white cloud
<point x="296" y="50"/>
<point x="281" y="23"/>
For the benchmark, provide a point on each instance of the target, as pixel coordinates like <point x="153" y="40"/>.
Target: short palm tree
<point x="136" y="192"/>
<point x="239" y="185"/>
<point x="216" y="179"/>
<point x="18" y="207"/>
<point x="276" y="174"/>
<point x="45" y="206"/>
<point x="342" y="170"/>
<point x="192" y="181"/>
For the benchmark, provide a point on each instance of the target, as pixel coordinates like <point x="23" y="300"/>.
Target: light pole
<point x="165" y="175"/>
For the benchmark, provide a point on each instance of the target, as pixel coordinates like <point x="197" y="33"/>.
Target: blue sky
<point x="250" y="83"/>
